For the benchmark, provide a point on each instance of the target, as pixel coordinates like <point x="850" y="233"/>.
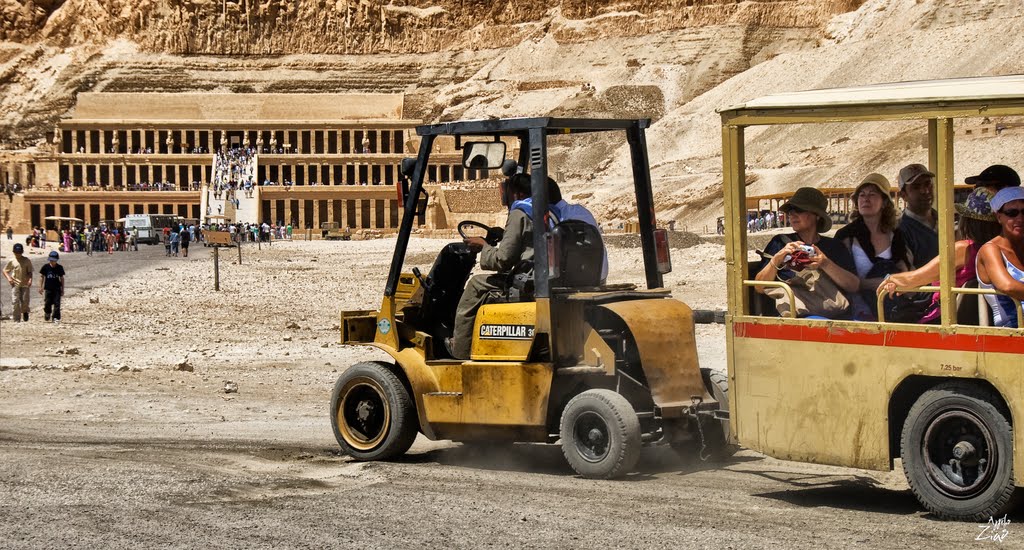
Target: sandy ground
<point x="105" y="443"/>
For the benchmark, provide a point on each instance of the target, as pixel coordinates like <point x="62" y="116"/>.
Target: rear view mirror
<point x="479" y="155"/>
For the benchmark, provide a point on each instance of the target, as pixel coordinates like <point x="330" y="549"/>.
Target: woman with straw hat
<point x="875" y="242"/>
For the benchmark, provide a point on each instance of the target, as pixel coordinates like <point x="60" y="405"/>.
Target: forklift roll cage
<point x="533" y="134"/>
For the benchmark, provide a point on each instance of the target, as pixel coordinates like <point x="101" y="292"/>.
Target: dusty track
<point x="104" y="444"/>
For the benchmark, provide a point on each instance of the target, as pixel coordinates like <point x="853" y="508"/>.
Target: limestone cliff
<point x="274" y="27"/>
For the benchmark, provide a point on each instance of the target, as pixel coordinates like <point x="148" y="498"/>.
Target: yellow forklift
<point x="558" y="356"/>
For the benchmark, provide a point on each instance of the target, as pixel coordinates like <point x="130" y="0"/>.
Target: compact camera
<point x="808" y="249"/>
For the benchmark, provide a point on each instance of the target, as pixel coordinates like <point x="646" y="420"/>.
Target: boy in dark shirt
<point x="52" y="287"/>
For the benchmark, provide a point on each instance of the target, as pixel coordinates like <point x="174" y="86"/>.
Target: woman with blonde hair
<point x="875" y="242"/>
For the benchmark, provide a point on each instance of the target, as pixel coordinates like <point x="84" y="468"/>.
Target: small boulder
<point x="185" y="366"/>
<point x="230" y="387"/>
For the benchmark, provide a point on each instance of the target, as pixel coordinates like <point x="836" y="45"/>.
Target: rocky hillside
<point x="673" y="60"/>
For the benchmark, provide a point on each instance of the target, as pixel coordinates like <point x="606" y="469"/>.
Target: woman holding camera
<point x="788" y="256"/>
<point x="876" y="244"/>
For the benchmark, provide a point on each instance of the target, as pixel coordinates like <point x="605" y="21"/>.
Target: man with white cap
<point x="919" y="222"/>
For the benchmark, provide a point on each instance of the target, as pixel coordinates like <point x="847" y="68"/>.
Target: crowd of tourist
<point x="764" y="220"/>
<point x="86" y="239"/>
<point x="885" y="250"/>
<point x="234" y="170"/>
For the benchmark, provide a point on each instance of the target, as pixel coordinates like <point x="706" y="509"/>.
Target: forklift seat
<point x="579" y="254"/>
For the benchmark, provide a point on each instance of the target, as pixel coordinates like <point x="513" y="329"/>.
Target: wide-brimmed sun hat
<point x="978" y="205"/>
<point x="810" y="200"/>
<point x="880" y="182"/>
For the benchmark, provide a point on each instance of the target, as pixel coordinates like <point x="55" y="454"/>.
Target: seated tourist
<point x="977" y="226"/>
<point x="1001" y="260"/>
<point x="830" y="261"/>
<point x="875" y="242"/>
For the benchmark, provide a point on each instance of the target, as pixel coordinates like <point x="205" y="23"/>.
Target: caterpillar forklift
<point x="558" y="356"/>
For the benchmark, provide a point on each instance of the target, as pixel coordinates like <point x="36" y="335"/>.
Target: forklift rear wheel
<point x="600" y="434"/>
<point x="372" y="415"/>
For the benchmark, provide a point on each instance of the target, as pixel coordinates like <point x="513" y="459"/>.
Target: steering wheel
<point x="493" y="234"/>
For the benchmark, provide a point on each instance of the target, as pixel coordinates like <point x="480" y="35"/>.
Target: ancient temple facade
<point x="299" y="159"/>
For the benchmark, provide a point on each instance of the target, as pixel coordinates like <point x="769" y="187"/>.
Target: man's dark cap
<point x="18" y="248"/>
<point x="997" y="175"/>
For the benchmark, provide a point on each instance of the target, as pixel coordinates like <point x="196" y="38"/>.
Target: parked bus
<point x="944" y="398"/>
<point x="150" y="226"/>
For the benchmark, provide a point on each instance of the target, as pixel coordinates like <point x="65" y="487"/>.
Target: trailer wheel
<point x="600" y="434"/>
<point x="372" y="415"/>
<point x="957" y="451"/>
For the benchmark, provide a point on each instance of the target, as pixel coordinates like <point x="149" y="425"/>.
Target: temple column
<point x="74" y="141"/>
<point x="373" y="213"/>
<point x="273" y="212"/>
<point x="388" y="209"/>
<point x="301" y="222"/>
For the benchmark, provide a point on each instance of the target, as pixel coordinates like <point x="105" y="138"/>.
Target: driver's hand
<point x="476" y="244"/>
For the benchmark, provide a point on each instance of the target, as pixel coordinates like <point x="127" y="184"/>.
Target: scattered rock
<point x="123" y="368"/>
<point x="95" y="300"/>
<point x="14" y="363"/>
<point x="324" y="345"/>
<point x="230" y="387"/>
<point x="287" y="338"/>
<point x="184" y="365"/>
<point x="68" y="351"/>
<point x="292" y="325"/>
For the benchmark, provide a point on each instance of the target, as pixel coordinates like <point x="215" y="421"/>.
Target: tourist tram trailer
<point x="945" y="398"/>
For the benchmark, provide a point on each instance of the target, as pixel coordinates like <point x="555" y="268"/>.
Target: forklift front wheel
<point x="600" y="434"/>
<point x="372" y="414"/>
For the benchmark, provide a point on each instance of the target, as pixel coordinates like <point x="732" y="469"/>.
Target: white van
<point x="143" y="222"/>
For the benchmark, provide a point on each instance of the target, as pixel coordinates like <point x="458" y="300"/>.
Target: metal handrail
<point x="777" y="284"/>
<point x="955" y="290"/>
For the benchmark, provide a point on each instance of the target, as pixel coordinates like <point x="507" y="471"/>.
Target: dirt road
<point x="106" y="442"/>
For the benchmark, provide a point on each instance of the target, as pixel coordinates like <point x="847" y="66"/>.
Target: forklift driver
<point x="516" y="246"/>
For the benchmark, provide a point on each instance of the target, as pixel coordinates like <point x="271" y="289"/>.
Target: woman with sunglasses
<point x="1001" y="260"/>
<point x="807" y="213"/>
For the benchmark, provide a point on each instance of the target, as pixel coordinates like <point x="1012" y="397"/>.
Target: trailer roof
<point x="947" y="90"/>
